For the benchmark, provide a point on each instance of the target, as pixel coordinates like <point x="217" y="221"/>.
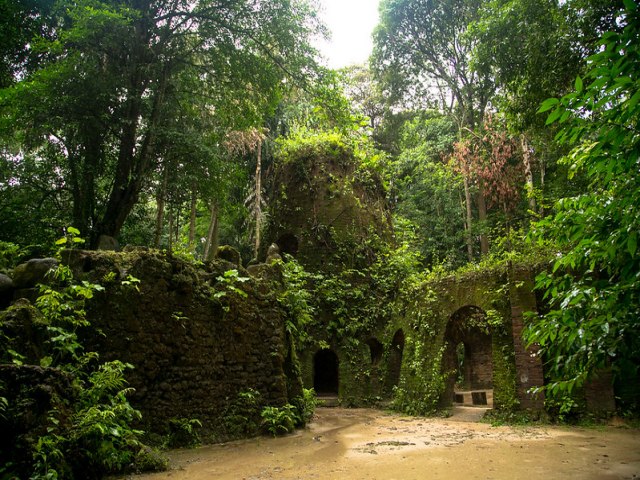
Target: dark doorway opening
<point x="325" y="372"/>
<point x="395" y="360"/>
<point x="288" y="244"/>
<point x="376" y="349"/>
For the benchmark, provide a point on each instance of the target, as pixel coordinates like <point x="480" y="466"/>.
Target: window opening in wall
<point x="376" y="349"/>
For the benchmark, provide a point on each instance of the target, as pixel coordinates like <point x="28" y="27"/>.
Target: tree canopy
<point x="500" y="128"/>
<point x="100" y="102"/>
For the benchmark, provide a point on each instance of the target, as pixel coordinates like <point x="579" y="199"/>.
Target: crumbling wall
<point x="325" y="203"/>
<point x="32" y="392"/>
<point x="196" y="338"/>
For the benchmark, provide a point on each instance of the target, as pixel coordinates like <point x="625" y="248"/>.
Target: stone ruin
<point x="194" y="354"/>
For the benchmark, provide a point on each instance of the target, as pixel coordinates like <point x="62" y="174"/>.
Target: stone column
<point x="528" y="364"/>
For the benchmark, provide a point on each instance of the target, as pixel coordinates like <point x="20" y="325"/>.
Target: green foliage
<point x="101" y="433"/>
<point x="498" y="418"/>
<point x="423" y="384"/>
<point x="413" y="43"/>
<point x="426" y="191"/>
<point x="95" y="436"/>
<point x="539" y="59"/>
<point x="303" y="145"/>
<point x="563" y="408"/>
<point x="227" y="284"/>
<point x="183" y="433"/>
<point x="185" y="253"/>
<point x="10" y="256"/>
<point x="297" y="298"/>
<point x="306" y="406"/>
<point x="242" y="415"/>
<point x="71" y="239"/>
<point x="279" y="420"/>
<point x="593" y="288"/>
<point x="89" y="111"/>
<point x="505" y="395"/>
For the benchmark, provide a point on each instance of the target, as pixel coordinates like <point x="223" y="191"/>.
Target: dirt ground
<point x="370" y="444"/>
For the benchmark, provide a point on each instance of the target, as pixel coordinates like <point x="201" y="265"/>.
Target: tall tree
<point x="534" y="49"/>
<point x="428" y="193"/>
<point x="428" y="45"/>
<point x="108" y="75"/>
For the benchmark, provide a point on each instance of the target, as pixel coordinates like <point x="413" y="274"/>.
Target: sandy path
<point x="369" y="444"/>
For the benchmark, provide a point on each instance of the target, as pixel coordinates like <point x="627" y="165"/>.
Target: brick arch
<point x="468" y="355"/>
<point x="470" y="292"/>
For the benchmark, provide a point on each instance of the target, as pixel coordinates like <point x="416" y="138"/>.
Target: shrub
<point x="306" y="406"/>
<point x="279" y="420"/>
<point x="183" y="432"/>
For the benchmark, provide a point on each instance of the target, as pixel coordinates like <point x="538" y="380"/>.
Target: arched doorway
<point x="395" y="360"/>
<point x="326" y="379"/>
<point x="288" y="243"/>
<point x="468" y="358"/>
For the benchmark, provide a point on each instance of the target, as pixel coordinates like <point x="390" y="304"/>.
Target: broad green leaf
<point x="548" y="104"/>
<point x="578" y="84"/>
<point x="633" y="101"/>
<point x="632" y="243"/>
<point x="554" y="116"/>
<point x="46" y="361"/>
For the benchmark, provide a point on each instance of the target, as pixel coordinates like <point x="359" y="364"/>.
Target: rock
<point x="105" y="242"/>
<point x="6" y="284"/>
<point x="273" y="254"/>
<point x="135" y="248"/>
<point x="6" y="290"/>
<point x="29" y="274"/>
<point x="229" y="254"/>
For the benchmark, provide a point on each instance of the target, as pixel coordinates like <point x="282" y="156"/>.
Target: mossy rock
<point x="229" y="254"/>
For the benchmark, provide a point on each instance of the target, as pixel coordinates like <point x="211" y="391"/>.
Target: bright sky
<point x="351" y="23"/>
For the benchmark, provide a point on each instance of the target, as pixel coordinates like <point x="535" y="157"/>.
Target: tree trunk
<point x="134" y="161"/>
<point x="170" y="245"/>
<point x="258" y="195"/>
<point x="482" y="219"/>
<point x="528" y="173"/>
<point x="192" y="218"/>
<point x="469" y="219"/>
<point x="211" y="246"/>
<point x="83" y="166"/>
<point x="160" y="201"/>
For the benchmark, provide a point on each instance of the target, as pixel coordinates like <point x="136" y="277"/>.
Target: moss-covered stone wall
<point x="393" y="340"/>
<point x="196" y="337"/>
<point x="324" y="203"/>
<point x="413" y="368"/>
